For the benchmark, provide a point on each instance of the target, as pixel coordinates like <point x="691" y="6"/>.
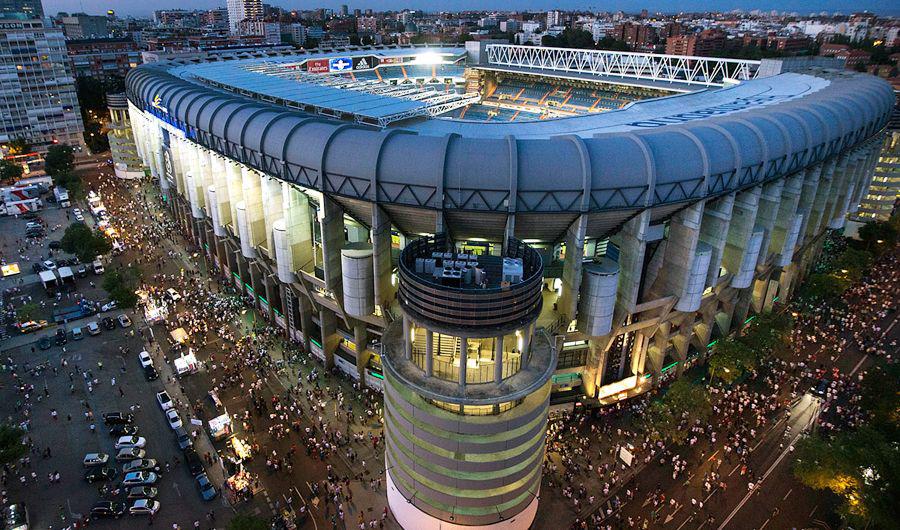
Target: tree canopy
<point x="11" y="446"/>
<point x="85" y="243"/>
<point x="121" y="284"/>
<point x="59" y="161"/>
<point x="862" y="467"/>
<point x="683" y="404"/>
<point x="10" y="171"/>
<point x="247" y="522"/>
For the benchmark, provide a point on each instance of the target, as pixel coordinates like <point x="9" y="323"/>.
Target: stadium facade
<point x="491" y="232"/>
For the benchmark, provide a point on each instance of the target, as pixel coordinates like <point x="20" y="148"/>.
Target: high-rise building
<point x="880" y="199"/>
<point x="239" y="10"/>
<point x="37" y="89"/>
<point x="29" y="8"/>
<point x="82" y="26"/>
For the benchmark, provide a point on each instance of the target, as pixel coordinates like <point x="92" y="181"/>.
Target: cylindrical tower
<point x="467" y="388"/>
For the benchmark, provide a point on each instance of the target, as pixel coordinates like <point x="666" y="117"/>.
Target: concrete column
<point x="361" y="339"/>
<point x="254" y="281"/>
<point x="714" y="232"/>
<point x="847" y="189"/>
<point x="407" y="337"/>
<point x="330" y="336"/>
<point x="571" y="280"/>
<point x="272" y="204"/>
<point x="304" y="310"/>
<point x="743" y="219"/>
<point x="219" y="169"/>
<point x="807" y="199"/>
<point x="234" y="183"/>
<point x="498" y="359"/>
<point x="429" y="352"/>
<point x="822" y="191"/>
<point x="632" y="243"/>
<point x="332" y="223"/>
<point x="769" y="203"/>
<point x="595" y="369"/>
<point x="269" y="286"/>
<point x="252" y="191"/>
<point x="787" y="221"/>
<point x="298" y="226"/>
<point x="678" y="261"/>
<point x="381" y="247"/>
<point x="463" y="360"/>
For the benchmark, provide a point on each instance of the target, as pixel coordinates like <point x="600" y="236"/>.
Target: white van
<point x="98" y="266"/>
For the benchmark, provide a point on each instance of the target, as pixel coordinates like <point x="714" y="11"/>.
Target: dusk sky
<point x="143" y="7"/>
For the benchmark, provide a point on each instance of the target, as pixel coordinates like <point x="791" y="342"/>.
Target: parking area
<point x="59" y="380"/>
<point x="94" y="379"/>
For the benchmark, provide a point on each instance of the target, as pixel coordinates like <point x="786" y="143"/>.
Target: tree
<point x="19" y="146"/>
<point x="684" y="403"/>
<point x="10" y="171"/>
<point x="853" y="264"/>
<point x="569" y="38"/>
<point x="769" y="334"/>
<point x="11" y="446"/>
<point x="121" y="285"/>
<point x="879" y="236"/>
<point x="85" y="243"/>
<point x="862" y="467"/>
<point x="59" y="161"/>
<point x="823" y="287"/>
<point x="247" y="522"/>
<point x="730" y="359"/>
<point x="27" y="312"/>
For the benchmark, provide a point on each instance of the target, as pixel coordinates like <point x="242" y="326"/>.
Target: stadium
<point x="491" y="233"/>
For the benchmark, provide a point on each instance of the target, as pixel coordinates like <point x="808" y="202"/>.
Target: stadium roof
<point x="657" y="153"/>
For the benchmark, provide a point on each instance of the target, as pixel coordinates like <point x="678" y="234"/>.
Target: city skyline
<point x="136" y="8"/>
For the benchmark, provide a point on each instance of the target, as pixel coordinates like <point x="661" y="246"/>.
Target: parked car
<point x="165" y="402"/>
<point x="144" y="507"/>
<point x="183" y="438"/>
<point x="109" y="306"/>
<point x="173" y="295"/>
<point x="143" y="464"/>
<point x="49" y="265"/>
<point x="95" y="459"/>
<point x="124" y="321"/>
<point x="113" y="418"/>
<point x="142" y="492"/>
<point x="207" y="491"/>
<point x="123" y="430"/>
<point x="192" y="459"/>
<point x="173" y="418"/>
<point x="54" y="245"/>
<point x="140" y="478"/>
<point x="93" y="328"/>
<point x="109" y="323"/>
<point x="45" y="343"/>
<point x="145" y="359"/>
<point x="62" y="338"/>
<point x="77" y="334"/>
<point x="150" y="373"/>
<point x="30" y="326"/>
<point x="131" y="441"/>
<point x="130" y="453"/>
<point x="99" y="474"/>
<point x="81" y="271"/>
<point x="108" y="509"/>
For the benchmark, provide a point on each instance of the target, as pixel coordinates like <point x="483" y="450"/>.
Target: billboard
<point x="367" y="62"/>
<point x="317" y="66"/>
<point x="340" y="64"/>
<point x="390" y="60"/>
